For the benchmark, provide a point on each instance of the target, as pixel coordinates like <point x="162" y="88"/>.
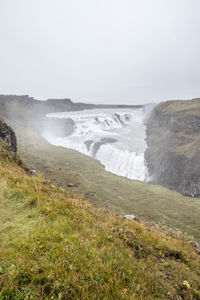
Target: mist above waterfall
<point x="115" y="137"/>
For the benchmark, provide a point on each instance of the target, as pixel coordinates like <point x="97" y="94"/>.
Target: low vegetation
<point x="151" y="203"/>
<point x="55" y="245"/>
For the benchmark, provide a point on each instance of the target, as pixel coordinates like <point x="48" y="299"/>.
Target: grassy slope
<point x="186" y="107"/>
<point x="149" y="202"/>
<point x="54" y="245"/>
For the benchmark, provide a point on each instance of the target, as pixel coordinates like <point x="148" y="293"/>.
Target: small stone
<point x="197" y="246"/>
<point x="70" y="185"/>
<point x="131" y="217"/>
<point x="31" y="172"/>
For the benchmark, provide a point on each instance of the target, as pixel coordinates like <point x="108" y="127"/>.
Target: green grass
<point x="56" y="245"/>
<point x="151" y="203"/>
<point x="183" y="107"/>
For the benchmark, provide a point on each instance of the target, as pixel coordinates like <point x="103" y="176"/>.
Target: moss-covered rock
<point x="8" y="136"/>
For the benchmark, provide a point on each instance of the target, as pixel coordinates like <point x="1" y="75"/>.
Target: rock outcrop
<point x="8" y="136"/>
<point x="173" y="139"/>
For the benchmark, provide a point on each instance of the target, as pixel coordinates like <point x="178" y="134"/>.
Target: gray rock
<point x="131" y="217"/>
<point x="98" y="144"/>
<point x="88" y="144"/>
<point x="197" y="246"/>
<point x="8" y="135"/>
<point x="70" y="185"/>
<point x="31" y="172"/>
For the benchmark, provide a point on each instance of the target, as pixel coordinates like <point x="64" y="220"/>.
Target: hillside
<point x="151" y="203"/>
<point x="55" y="245"/>
<point x="173" y="140"/>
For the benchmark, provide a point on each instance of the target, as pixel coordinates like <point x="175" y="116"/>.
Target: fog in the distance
<point x="116" y="51"/>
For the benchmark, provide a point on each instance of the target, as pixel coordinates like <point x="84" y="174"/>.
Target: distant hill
<point x="13" y="106"/>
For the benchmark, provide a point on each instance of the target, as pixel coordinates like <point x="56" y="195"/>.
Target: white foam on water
<point x="114" y="137"/>
<point x="122" y="162"/>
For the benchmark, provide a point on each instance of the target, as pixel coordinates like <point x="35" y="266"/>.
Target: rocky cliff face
<point x="173" y="139"/>
<point x="8" y="136"/>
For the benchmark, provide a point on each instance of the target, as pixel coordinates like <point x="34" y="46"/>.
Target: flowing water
<point x="115" y="137"/>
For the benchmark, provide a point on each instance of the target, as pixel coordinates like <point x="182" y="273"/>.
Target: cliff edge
<point x="173" y="141"/>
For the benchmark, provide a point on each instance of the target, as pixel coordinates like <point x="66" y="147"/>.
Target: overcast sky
<point x="117" y="51"/>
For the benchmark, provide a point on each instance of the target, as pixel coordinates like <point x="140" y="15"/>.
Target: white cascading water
<point x="114" y="137"/>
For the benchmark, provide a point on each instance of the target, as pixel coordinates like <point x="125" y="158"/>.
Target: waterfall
<point x="114" y="137"/>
